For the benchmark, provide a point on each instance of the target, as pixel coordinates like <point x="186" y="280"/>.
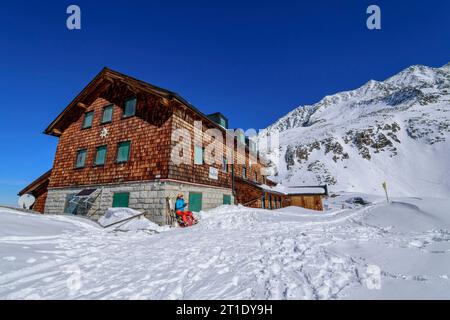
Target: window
<point x="87" y="121"/>
<point x="224" y="164"/>
<point x="252" y="146"/>
<point x="264" y="180"/>
<point x="244" y="172"/>
<point x="198" y="155"/>
<point x="123" y="151"/>
<point x="256" y="176"/>
<point x="270" y="202"/>
<point x="107" y="114"/>
<point x="226" y="199"/>
<point x="81" y="158"/>
<point x="70" y="206"/>
<point x="129" y="108"/>
<point x="195" y="201"/>
<point x="223" y="122"/>
<point x="100" y="156"/>
<point x="263" y="201"/>
<point x="121" y="200"/>
<point x="240" y="136"/>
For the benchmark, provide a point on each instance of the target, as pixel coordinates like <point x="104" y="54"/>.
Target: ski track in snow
<point x="247" y="254"/>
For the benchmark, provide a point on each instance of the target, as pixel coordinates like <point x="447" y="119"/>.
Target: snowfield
<point x="351" y="251"/>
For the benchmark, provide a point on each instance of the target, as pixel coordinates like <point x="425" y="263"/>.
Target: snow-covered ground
<point x="379" y="250"/>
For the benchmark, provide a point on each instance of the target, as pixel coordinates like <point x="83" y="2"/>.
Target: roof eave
<point x="49" y="129"/>
<point x="306" y="194"/>
<point x="37" y="182"/>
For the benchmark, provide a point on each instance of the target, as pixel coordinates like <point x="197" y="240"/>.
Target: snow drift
<point x="127" y="219"/>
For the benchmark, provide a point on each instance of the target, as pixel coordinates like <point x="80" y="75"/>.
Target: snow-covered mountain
<point x="397" y="131"/>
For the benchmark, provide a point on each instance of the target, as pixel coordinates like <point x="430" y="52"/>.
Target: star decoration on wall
<point x="104" y="133"/>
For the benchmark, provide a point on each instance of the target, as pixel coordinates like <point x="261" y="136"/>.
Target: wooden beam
<point x="109" y="79"/>
<point x="56" y="131"/>
<point x="165" y="102"/>
<point x="81" y="105"/>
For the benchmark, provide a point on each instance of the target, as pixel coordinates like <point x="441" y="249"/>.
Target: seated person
<point x="186" y="216"/>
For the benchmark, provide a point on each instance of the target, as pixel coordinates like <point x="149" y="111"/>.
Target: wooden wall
<point x="41" y="195"/>
<point x="184" y="118"/>
<point x="250" y="195"/>
<point x="313" y="202"/>
<point x="149" y="152"/>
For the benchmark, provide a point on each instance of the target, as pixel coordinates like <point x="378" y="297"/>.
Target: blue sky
<point x="252" y="60"/>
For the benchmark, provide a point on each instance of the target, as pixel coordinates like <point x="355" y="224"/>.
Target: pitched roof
<point x="36" y="183"/>
<point x="105" y="77"/>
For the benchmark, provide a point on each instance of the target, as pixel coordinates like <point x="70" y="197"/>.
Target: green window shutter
<point x="81" y="158"/>
<point x="100" y="156"/>
<point x="263" y="202"/>
<point x="242" y="137"/>
<point x="222" y="122"/>
<point x="107" y="114"/>
<point x="226" y="199"/>
<point x="225" y="164"/>
<point x="198" y="155"/>
<point x="252" y="146"/>
<point x="123" y="151"/>
<point x="88" y="117"/>
<point x="244" y="172"/>
<point x="129" y="107"/>
<point x="120" y="200"/>
<point x="195" y="201"/>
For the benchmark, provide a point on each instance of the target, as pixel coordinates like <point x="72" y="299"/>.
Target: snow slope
<point x="397" y="130"/>
<point x="400" y="250"/>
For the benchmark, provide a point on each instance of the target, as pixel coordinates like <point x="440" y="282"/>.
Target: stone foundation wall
<point x="212" y="197"/>
<point x="148" y="197"/>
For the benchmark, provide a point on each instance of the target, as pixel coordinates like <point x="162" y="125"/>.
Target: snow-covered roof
<point x="296" y="190"/>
